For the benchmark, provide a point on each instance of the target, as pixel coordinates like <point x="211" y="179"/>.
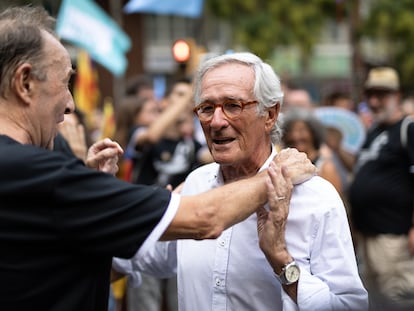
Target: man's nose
<point x="218" y="117"/>
<point x="373" y="101"/>
<point x="70" y="106"/>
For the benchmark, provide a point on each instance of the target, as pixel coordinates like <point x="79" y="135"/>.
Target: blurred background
<point x="321" y="45"/>
<point x="126" y="52"/>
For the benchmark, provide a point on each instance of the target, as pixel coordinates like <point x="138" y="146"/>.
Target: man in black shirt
<point x="61" y="222"/>
<point x="381" y="196"/>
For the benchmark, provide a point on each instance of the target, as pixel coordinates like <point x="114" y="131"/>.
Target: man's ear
<point x="272" y="115"/>
<point x="22" y="82"/>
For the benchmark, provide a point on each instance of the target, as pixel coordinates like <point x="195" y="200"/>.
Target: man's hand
<point x="300" y="167"/>
<point x="271" y="224"/>
<point x="104" y="155"/>
<point x="75" y="136"/>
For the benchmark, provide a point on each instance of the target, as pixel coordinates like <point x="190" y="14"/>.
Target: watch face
<point x="292" y="273"/>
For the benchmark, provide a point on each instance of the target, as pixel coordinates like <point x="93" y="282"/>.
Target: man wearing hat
<point x="381" y="197"/>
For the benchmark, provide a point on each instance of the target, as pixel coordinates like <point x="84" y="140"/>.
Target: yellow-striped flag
<point x="108" y="122"/>
<point x="86" y="89"/>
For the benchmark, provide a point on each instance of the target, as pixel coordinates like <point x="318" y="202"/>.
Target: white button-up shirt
<point x="232" y="273"/>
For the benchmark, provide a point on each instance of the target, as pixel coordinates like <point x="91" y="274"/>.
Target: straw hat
<point x="385" y="78"/>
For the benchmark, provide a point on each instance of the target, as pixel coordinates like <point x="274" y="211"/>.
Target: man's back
<point x="56" y="247"/>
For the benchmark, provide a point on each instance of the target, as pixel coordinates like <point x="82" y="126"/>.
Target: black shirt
<point x="60" y="225"/>
<point x="61" y="144"/>
<point x="167" y="162"/>
<point x="381" y="194"/>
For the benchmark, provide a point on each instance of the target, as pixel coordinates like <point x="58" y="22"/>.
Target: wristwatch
<point x="290" y="273"/>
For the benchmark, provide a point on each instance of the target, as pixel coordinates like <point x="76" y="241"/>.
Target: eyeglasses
<point x="232" y="108"/>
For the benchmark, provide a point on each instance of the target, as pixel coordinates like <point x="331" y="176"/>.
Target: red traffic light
<point x="181" y="51"/>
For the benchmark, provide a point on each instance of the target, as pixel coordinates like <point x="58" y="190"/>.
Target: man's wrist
<point x="280" y="260"/>
<point x="289" y="274"/>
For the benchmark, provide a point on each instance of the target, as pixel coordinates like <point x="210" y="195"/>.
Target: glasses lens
<point x="205" y="111"/>
<point x="232" y="108"/>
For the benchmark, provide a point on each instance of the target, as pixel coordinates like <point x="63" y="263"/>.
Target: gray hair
<point x="266" y="89"/>
<point x="21" y="41"/>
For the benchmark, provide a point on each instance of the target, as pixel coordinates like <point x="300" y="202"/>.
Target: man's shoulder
<point x="27" y="156"/>
<point x="316" y="189"/>
<point x="316" y="198"/>
<point x="13" y="151"/>
<point x="320" y="183"/>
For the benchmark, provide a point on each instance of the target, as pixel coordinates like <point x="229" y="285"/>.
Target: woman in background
<point x="302" y="130"/>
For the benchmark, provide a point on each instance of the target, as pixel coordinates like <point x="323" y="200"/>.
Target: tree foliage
<point x="393" y="22"/>
<point x="263" y="25"/>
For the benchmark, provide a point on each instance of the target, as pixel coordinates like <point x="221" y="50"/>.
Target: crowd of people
<point x="63" y="219"/>
<point x="228" y="193"/>
<point x="375" y="181"/>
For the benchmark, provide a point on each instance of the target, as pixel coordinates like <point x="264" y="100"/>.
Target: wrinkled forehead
<point x="230" y="80"/>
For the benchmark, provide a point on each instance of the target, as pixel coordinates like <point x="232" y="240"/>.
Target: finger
<point x="278" y="185"/>
<point x="103" y="158"/>
<point x="271" y="193"/>
<point x="110" y="169"/>
<point x="288" y="181"/>
<point x="110" y="152"/>
<point x="275" y="173"/>
<point x="106" y="143"/>
<point x="106" y="154"/>
<point x="285" y="172"/>
<point x="286" y="150"/>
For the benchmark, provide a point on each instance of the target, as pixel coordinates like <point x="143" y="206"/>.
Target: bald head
<point x="297" y="98"/>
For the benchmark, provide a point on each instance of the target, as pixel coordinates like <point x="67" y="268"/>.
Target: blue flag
<point x="85" y="24"/>
<point x="187" y="8"/>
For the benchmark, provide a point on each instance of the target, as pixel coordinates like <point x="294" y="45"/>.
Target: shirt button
<point x="218" y="282"/>
<point x="222" y="243"/>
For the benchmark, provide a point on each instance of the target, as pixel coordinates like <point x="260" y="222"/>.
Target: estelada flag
<point x="108" y="122"/>
<point x="86" y="89"/>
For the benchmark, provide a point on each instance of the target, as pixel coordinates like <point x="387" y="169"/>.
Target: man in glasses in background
<point x="381" y="196"/>
<point x="296" y="252"/>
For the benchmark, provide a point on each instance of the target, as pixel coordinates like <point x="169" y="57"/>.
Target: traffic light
<point x="187" y="54"/>
<point x="181" y="51"/>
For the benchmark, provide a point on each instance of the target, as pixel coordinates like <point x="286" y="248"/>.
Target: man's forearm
<point x="206" y="215"/>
